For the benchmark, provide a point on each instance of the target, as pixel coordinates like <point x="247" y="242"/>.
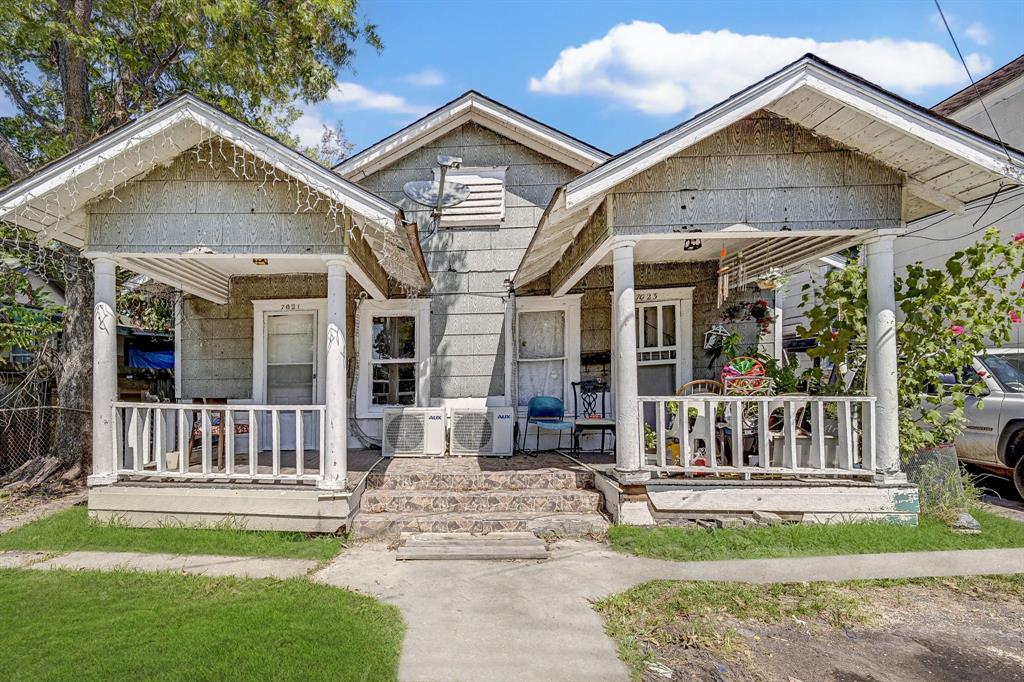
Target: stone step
<point x="547" y="500"/>
<point x="551" y="479"/>
<point x="465" y="546"/>
<point x="390" y="525"/>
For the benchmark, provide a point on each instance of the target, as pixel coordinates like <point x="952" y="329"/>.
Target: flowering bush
<point x="949" y="315"/>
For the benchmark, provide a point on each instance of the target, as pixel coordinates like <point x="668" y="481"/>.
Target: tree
<point x="949" y="315"/>
<point x="75" y="69"/>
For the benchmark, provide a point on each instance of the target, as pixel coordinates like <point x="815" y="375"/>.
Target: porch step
<point x="546" y="500"/>
<point x="550" y="479"/>
<point x="463" y="546"/>
<point x="390" y="525"/>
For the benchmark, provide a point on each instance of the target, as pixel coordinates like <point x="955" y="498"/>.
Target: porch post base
<point x="324" y="484"/>
<point x="100" y="479"/>
<point x="634" y="477"/>
<point x="890" y="478"/>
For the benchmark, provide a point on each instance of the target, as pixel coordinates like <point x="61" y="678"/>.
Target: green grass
<point x="666" y="614"/>
<point x="63" y="625"/>
<point x="767" y="542"/>
<point x="72" y="530"/>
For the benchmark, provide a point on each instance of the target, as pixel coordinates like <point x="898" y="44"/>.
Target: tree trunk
<point x="73" y="431"/>
<point x="74" y="72"/>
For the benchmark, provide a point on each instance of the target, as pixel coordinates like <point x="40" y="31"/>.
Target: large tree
<point x="74" y="69"/>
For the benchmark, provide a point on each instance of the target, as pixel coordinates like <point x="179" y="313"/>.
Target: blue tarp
<point x="150" y="359"/>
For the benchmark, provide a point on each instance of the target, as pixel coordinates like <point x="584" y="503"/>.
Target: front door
<point x="291" y="373"/>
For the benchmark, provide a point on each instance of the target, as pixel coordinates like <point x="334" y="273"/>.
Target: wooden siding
<point x="189" y="204"/>
<point x="763" y="171"/>
<point x="469" y="265"/>
<point x="594" y="233"/>
<point x="217" y="340"/>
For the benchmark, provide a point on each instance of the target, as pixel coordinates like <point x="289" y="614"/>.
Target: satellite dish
<point x="428" y="193"/>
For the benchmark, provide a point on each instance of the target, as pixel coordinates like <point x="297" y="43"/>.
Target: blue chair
<point x="546" y="412"/>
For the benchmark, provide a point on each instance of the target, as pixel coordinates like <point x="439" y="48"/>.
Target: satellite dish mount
<point x="438" y="194"/>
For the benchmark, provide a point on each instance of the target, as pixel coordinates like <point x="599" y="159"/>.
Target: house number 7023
<point x="646" y="298"/>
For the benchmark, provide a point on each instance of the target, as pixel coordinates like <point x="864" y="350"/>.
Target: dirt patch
<point x="897" y="632"/>
<point x="17" y="509"/>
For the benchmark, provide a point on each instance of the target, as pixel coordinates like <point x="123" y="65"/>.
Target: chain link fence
<point x="27" y="433"/>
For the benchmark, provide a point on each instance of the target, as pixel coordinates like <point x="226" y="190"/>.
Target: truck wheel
<point x="1018" y="477"/>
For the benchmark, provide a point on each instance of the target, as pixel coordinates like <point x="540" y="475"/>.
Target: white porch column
<point x="627" y="436"/>
<point x="335" y="472"/>
<point x="881" y="353"/>
<point x="104" y="370"/>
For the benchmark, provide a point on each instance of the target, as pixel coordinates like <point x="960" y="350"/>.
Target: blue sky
<point x="615" y="73"/>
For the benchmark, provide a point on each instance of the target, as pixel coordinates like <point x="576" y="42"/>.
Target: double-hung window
<point x="547" y="348"/>
<point x="393" y="358"/>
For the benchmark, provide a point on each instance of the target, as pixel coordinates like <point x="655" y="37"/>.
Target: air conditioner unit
<point x="482" y="431"/>
<point x="413" y="432"/>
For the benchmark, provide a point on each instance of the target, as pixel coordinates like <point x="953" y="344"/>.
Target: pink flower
<point x="957" y="330"/>
<point x="1014" y="317"/>
<point x="1019" y="237"/>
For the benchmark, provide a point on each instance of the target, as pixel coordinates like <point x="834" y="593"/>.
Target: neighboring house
<point x="320" y="301"/>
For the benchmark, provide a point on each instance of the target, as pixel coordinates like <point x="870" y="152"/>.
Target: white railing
<point x="759" y="435"/>
<point x="218" y="442"/>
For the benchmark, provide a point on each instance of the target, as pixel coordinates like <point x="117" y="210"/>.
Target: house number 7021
<point x="291" y="306"/>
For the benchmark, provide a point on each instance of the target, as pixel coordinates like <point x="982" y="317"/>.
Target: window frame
<point x="569" y="305"/>
<point x="417" y="308"/>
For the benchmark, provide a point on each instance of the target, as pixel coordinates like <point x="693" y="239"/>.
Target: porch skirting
<point x="281" y="508"/>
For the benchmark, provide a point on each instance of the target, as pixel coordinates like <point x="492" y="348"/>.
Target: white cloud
<point x="355" y="96"/>
<point x="427" y="78"/>
<point x="643" y="66"/>
<point x="309" y="128"/>
<point x="978" y="33"/>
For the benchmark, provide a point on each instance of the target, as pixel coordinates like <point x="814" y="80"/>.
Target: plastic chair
<point x="546" y="412"/>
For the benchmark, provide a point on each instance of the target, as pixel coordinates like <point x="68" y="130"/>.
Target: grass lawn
<point x="72" y="530"/>
<point x="765" y="542"/>
<point x="86" y="625"/>
<point x="667" y="619"/>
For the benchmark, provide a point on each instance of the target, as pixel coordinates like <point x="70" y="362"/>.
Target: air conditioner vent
<point x="405" y="434"/>
<point x="413" y="432"/>
<point x="472" y="431"/>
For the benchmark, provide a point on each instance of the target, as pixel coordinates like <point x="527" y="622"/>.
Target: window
<point x="393" y="359"/>
<point x="485" y="205"/>
<point x="547" y="348"/>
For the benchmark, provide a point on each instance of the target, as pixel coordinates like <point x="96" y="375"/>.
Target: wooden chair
<point x="216" y="428"/>
<point x="585" y="396"/>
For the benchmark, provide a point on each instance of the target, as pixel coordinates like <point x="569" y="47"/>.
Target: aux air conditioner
<point x="413" y="432"/>
<point x="482" y="431"/>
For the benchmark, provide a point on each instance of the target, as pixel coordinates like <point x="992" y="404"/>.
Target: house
<point x="324" y="309"/>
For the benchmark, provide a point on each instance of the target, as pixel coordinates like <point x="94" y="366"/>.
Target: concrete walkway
<point x="534" y="620"/>
<point x="197" y="564"/>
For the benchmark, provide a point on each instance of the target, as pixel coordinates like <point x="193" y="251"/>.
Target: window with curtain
<point x="541" y="355"/>
<point x="393" y="360"/>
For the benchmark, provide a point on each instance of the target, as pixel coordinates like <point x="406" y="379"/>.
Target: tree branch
<point x="15" y="94"/>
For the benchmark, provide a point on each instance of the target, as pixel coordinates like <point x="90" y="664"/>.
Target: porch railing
<point x="219" y="442"/>
<point x="759" y="435"/>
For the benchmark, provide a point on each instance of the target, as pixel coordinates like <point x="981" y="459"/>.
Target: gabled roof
<point x="944" y="164"/>
<point x="472" y="106"/>
<point x="155" y="138"/>
<point x="1002" y="76"/>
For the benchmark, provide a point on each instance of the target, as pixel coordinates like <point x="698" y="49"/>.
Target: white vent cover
<point x="482" y="431"/>
<point x="486" y="202"/>
<point x="413" y="432"/>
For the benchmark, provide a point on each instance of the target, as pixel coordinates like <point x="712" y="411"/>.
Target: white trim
<point x="414" y="307"/>
<point x="260" y="309"/>
<point x="570" y="306"/>
<point x="810" y="73"/>
<point x="684" y="332"/>
<point x="472" y="107"/>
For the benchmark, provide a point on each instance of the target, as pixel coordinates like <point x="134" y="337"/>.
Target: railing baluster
<point x="119" y="439"/>
<point x="737" y="433"/>
<point x="135" y="426"/>
<point x="275" y="435"/>
<point x="710" y="444"/>
<point x="322" y="418"/>
<point x="254" y="443"/>
<point x="659" y="432"/>
<point x="147" y="436"/>
<point x="844" y="447"/>
<point x="227" y="435"/>
<point x="300" y="452"/>
<point x="158" y="439"/>
<point x="868" y="408"/>
<point x="184" y="436"/>
<point x="788" y="435"/>
<point x="764" y="444"/>
<point x="818" y="432"/>
<point x="683" y="429"/>
<point x="207" y="439"/>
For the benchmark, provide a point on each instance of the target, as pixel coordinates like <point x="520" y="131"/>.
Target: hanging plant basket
<point x="767" y="284"/>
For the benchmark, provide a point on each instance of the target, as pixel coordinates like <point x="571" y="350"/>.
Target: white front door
<point x="287" y="360"/>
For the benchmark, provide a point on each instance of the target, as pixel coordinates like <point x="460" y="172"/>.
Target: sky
<point x="616" y="73"/>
